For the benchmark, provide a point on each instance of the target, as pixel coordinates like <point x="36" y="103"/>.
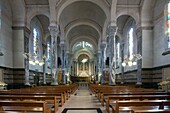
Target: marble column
<point x="112" y="47"/>
<point x="139" y="51"/>
<point x="77" y="67"/>
<point x="103" y="46"/>
<point x="98" y="77"/>
<point x="68" y="64"/>
<point x="96" y="64"/>
<point x="45" y="63"/>
<point x="122" y="56"/>
<point x="54" y="33"/>
<point x="63" y="61"/>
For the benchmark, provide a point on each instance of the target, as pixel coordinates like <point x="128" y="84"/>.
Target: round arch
<point x="33" y="12"/>
<point x="65" y="3"/>
<point x="83" y="22"/>
<point x="132" y="13"/>
<point x="83" y="38"/>
<point x="78" y="53"/>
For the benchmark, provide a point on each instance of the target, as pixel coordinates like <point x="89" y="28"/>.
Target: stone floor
<point x="82" y="101"/>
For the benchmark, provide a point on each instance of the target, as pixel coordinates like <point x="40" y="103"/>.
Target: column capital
<point x="139" y="31"/>
<point x="103" y="44"/>
<point x="54" y="30"/>
<point x="62" y="44"/>
<point x="99" y="52"/>
<point x="111" y="30"/>
<point x="91" y="60"/>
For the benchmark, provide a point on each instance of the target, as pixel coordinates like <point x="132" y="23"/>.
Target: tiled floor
<point x="82" y="99"/>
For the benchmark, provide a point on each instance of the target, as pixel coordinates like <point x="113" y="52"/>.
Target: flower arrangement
<point x="163" y="83"/>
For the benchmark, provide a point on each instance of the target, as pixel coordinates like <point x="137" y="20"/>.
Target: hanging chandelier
<point x="34" y="59"/>
<point x="131" y="60"/>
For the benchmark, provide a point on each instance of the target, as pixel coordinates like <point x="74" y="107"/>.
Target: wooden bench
<point x="11" y="112"/>
<point x="128" y="93"/>
<point x="59" y="95"/>
<point x="136" y="104"/>
<point x="49" y="99"/>
<point x="32" y="106"/>
<point x="111" y="99"/>
<point x="151" y="111"/>
<point x="127" y="90"/>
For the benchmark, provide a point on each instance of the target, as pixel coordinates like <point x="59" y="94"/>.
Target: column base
<point x="139" y="83"/>
<point x="54" y="83"/>
<point x="122" y="83"/>
<point x="112" y="84"/>
<point x="27" y="84"/>
<point x="44" y="83"/>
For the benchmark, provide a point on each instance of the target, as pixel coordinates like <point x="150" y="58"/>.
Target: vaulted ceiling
<point x="84" y="20"/>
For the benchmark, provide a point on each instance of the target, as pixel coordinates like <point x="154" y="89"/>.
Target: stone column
<point x="96" y="64"/>
<point x="122" y="56"/>
<point x="63" y="61"/>
<point x="73" y="68"/>
<point x="139" y="51"/>
<point x="77" y="67"/>
<point x="68" y="64"/>
<point x="90" y="71"/>
<point x="98" y="79"/>
<point x="90" y="68"/>
<point x="26" y="50"/>
<point x="103" y="45"/>
<point x="45" y="63"/>
<point x="112" y="47"/>
<point x="54" y="33"/>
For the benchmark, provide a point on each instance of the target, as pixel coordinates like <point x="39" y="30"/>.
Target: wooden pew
<point x="151" y="111"/>
<point x="113" y="90"/>
<point x="150" y="104"/>
<point x="11" y="112"/>
<point x="112" y="99"/>
<point x="129" y="93"/>
<point x="37" y="94"/>
<point x="32" y="106"/>
<point x="49" y="99"/>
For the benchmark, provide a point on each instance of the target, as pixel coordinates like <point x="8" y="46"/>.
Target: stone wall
<point x="159" y="38"/>
<point x="6" y="40"/>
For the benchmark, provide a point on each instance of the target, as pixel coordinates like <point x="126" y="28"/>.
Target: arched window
<point x="117" y="52"/>
<point x="48" y="53"/>
<point x="130" y="43"/>
<point x="167" y="9"/>
<point x="35" y="43"/>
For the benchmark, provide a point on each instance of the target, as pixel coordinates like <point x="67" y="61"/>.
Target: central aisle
<point x="82" y="102"/>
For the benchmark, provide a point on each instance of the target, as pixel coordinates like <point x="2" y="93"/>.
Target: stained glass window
<point x="83" y="45"/>
<point x="48" y="53"/>
<point x="35" y="44"/>
<point x="130" y="40"/>
<point x="168" y="24"/>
